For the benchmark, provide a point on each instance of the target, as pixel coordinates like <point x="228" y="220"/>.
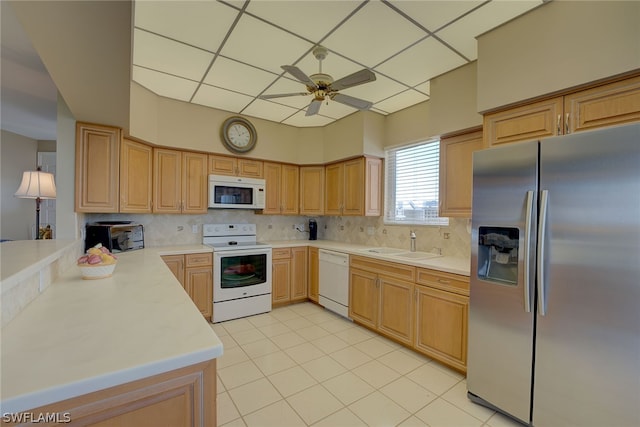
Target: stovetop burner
<point x="231" y="237"/>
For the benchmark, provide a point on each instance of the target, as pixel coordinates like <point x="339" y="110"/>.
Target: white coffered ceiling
<point x="225" y="54"/>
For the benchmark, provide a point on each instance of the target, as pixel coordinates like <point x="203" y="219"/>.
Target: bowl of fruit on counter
<point x="97" y="263"/>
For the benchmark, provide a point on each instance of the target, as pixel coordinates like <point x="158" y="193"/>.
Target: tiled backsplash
<point x="162" y="230"/>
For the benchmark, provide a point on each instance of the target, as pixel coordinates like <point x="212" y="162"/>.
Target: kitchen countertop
<point x="80" y="336"/>
<point x="444" y="263"/>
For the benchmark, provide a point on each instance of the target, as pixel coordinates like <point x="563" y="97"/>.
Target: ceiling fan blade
<point x="283" y="95"/>
<point x="358" y="103"/>
<point x="355" y="79"/>
<point x="300" y="75"/>
<point x="313" y="108"/>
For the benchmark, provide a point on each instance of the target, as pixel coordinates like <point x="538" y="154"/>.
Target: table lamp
<point x="37" y="185"/>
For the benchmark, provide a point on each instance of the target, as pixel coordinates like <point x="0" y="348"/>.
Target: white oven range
<point x="241" y="271"/>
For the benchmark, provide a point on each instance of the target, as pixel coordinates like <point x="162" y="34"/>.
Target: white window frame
<point x="420" y="164"/>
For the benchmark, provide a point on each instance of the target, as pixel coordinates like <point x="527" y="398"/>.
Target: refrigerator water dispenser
<point x="498" y="254"/>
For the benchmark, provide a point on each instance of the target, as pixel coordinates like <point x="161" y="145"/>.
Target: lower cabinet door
<point x="280" y="281"/>
<point x="441" y="326"/>
<point x="396" y="309"/>
<point x="363" y="297"/>
<point x="199" y="286"/>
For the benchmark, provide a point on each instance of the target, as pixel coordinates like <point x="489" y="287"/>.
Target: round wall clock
<point x="239" y="135"/>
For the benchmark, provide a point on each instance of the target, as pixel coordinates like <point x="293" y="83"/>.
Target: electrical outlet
<point x="371" y="230"/>
<point x="446" y="235"/>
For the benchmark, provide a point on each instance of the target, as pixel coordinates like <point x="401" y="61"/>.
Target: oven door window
<point x="243" y="270"/>
<point x="230" y="195"/>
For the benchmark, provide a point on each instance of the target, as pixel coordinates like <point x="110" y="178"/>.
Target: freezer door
<point x="500" y="346"/>
<point x="587" y="363"/>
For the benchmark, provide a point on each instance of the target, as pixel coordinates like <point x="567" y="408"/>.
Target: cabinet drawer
<point x="281" y="253"/>
<point x="445" y="281"/>
<point x="199" y="260"/>
<point x="396" y="270"/>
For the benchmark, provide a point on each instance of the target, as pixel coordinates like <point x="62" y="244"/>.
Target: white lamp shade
<point x="37" y="184"/>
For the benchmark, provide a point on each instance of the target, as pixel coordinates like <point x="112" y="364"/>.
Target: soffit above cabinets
<point x="225" y="54"/>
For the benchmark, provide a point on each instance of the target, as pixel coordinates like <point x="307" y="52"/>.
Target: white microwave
<point x="232" y="192"/>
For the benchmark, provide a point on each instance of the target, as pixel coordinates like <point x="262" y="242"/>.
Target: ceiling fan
<point x="323" y="87"/>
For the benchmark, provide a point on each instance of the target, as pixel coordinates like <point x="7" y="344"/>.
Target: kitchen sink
<point x="383" y="251"/>
<point x="416" y="255"/>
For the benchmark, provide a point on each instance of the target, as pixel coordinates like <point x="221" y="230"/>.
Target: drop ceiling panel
<point x="373" y="34"/>
<point x="214" y="97"/>
<point x="158" y="53"/>
<point x="400" y="101"/>
<point x="300" y="120"/>
<point x="269" y="110"/>
<point x="165" y="84"/>
<point x="187" y="21"/>
<point x="310" y="19"/>
<point x="382" y="88"/>
<point x="425" y="60"/>
<point x="263" y="45"/>
<point x="462" y="34"/>
<point x="239" y="77"/>
<point x="433" y="15"/>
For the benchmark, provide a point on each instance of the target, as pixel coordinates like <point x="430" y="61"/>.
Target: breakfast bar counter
<point x="82" y="336"/>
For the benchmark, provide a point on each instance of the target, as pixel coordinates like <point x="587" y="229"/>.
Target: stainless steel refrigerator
<point x="554" y="318"/>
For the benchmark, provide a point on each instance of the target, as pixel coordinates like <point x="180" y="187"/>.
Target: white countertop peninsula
<point x="80" y="336"/>
<point x="444" y="263"/>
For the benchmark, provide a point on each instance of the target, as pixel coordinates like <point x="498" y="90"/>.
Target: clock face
<point x="239" y="135"/>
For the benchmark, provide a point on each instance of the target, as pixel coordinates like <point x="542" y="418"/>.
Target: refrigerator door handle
<point x="527" y="246"/>
<point x="544" y="202"/>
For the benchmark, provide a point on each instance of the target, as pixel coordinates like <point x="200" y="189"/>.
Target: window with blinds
<point x="412" y="185"/>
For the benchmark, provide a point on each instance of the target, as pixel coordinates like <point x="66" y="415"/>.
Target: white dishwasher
<point x="334" y="281"/>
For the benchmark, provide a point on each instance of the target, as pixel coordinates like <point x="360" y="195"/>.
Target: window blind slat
<point x="412" y="184"/>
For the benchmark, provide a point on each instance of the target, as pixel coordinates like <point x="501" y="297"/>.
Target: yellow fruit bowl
<point x="96" y="271"/>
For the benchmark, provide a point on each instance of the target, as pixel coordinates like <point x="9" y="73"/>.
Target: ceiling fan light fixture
<point x="322" y="79"/>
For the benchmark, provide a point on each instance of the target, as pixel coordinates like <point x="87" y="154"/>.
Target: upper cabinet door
<point x="97" y="168"/>
<point x="290" y="190"/>
<point x="194" y="183"/>
<point x="526" y="123"/>
<point x="312" y="190"/>
<point x="334" y="187"/>
<point x="167" y="185"/>
<point x="456" y="173"/>
<point x="136" y="178"/>
<point x="607" y="105"/>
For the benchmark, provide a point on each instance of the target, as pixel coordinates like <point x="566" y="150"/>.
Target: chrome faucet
<point x="412" y="236"/>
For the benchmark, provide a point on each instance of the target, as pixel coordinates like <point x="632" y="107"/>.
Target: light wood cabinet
<point x="182" y="397"/>
<point x="282" y="188"/>
<point x="380" y="299"/>
<point x="604" y="105"/>
<point x="136" y="177"/>
<point x="97" y="168"/>
<point x="456" y="173"/>
<point x="314" y="274"/>
<point x="289" y="275"/>
<point x="312" y="190"/>
<point x="441" y="314"/>
<point x="353" y="187"/>
<point x="234" y="166"/>
<point x="180" y="184"/>
<point x="195" y="274"/>
<point x="176" y="265"/>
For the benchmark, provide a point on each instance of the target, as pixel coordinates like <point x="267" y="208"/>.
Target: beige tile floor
<point x="301" y="365"/>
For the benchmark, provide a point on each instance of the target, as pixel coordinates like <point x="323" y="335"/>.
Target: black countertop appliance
<point x="313" y="229"/>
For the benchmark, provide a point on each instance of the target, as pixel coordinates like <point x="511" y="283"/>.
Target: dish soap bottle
<point x="412" y="236"/>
